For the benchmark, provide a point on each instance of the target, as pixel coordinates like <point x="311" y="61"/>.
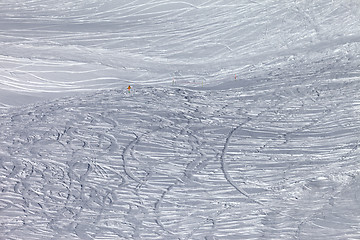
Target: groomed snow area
<point x="243" y="120"/>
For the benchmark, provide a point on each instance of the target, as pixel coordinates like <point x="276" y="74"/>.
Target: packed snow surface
<point x="242" y="122"/>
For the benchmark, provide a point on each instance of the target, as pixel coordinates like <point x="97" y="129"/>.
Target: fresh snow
<point x="191" y="152"/>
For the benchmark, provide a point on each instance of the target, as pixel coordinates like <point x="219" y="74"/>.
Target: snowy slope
<point x="191" y="152"/>
<point x="256" y="162"/>
<point x="69" y="46"/>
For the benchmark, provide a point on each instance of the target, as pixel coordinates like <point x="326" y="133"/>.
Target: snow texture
<point x="242" y="122"/>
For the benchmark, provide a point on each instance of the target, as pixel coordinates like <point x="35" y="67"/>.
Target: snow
<point x="191" y="152"/>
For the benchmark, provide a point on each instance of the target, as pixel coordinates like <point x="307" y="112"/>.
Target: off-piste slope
<point x="272" y="160"/>
<point x="68" y="46"/>
<point x="273" y="154"/>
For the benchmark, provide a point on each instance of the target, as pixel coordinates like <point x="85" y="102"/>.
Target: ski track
<point x="270" y="155"/>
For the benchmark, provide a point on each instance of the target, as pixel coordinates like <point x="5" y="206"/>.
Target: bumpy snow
<point x="242" y="122"/>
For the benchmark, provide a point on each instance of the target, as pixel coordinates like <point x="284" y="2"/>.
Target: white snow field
<point x="243" y="120"/>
